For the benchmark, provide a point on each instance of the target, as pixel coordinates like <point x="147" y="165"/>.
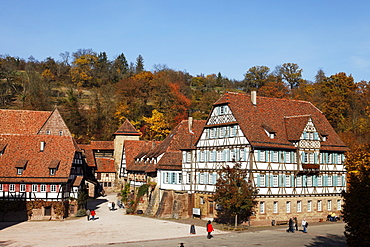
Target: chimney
<point x="42" y="146"/>
<point x="254" y="97"/>
<point x="190" y="122"/>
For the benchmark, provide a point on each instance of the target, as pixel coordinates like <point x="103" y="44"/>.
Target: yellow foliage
<point x="157" y="125"/>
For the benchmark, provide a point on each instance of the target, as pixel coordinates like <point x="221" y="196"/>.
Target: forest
<point x="95" y="95"/>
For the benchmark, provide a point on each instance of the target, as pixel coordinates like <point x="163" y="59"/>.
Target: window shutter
<point x="280" y="183"/>
<point x="271" y="180"/>
<point x="266" y="180"/>
<point x="316" y="160"/>
<point x="258" y="180"/>
<point x="325" y="180"/>
<point x="335" y="180"/>
<point x="164" y="177"/>
<point x="315" y="136"/>
<point x="259" y="155"/>
<point x="206" y="181"/>
<point x="343" y="180"/>
<point x="314" y="180"/>
<point x="292" y="181"/>
<point x="198" y="177"/>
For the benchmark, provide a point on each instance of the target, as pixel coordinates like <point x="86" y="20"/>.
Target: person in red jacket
<point x="209" y="229"/>
<point x="92" y="212"/>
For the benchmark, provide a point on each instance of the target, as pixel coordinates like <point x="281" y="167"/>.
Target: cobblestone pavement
<point x="115" y="228"/>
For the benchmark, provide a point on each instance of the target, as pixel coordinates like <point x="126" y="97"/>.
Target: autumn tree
<point x="356" y="208"/>
<point x="82" y="71"/>
<point x="157" y="128"/>
<point x="235" y="194"/>
<point x="337" y="92"/>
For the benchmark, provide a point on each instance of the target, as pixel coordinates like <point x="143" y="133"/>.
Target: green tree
<point x="256" y="77"/>
<point x="356" y="208"/>
<point x="120" y="67"/>
<point x="235" y="194"/>
<point x="290" y="73"/>
<point x="139" y="66"/>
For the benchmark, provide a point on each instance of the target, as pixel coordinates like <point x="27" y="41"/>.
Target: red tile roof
<point x="127" y="129"/>
<point x="168" y="153"/>
<point x="20" y="148"/>
<point x="286" y="117"/>
<point x="22" y="121"/>
<point x="95" y="145"/>
<point x="134" y="149"/>
<point x="105" y="165"/>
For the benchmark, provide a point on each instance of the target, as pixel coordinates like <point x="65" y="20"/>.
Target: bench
<point x="282" y="222"/>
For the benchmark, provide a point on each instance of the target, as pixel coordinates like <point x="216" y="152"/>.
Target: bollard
<point x="192" y="229"/>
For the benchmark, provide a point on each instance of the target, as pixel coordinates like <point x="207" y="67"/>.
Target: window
<point x="309" y="206"/>
<point x="188" y="157"/>
<point x="52" y="171"/>
<point x="180" y="178"/>
<point x="287" y="157"/>
<point x="34" y="187"/>
<point x="202" y="156"/>
<point x="319" y="181"/>
<point x="201" y="181"/>
<point x="166" y="177"/>
<point x="299" y="181"/>
<point x="1" y="187"/>
<point x="276" y="156"/>
<point x="263" y="155"/>
<point x="189" y="178"/>
<point x="339" y="180"/>
<point x="299" y="206"/>
<point x="276" y="207"/>
<point x="329" y="205"/>
<point x="19" y="171"/>
<point x="288" y="207"/>
<point x="53" y="188"/>
<point x="11" y="187"/>
<point x="287" y="181"/>
<point x="330" y="180"/>
<point x="43" y="188"/>
<point x="262" y="207"/>
<point x="309" y="181"/>
<point x="262" y="180"/>
<point x="219" y="155"/>
<point x="22" y="188"/>
<point x="48" y="132"/>
<point x="339" y="204"/>
<point x="319" y="205"/>
<point x="275" y="179"/>
<point x="201" y="200"/>
<point x="60" y="132"/>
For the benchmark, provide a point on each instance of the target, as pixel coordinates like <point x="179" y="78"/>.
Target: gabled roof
<point x="134" y="149"/>
<point x="127" y="129"/>
<point x="284" y="116"/>
<point x="22" y="148"/>
<point x="22" y="122"/>
<point x="168" y="153"/>
<point x="105" y="165"/>
<point x="95" y="145"/>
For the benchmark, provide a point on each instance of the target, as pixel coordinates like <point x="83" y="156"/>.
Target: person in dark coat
<point x="209" y="229"/>
<point x="291" y="225"/>
<point x="296" y="223"/>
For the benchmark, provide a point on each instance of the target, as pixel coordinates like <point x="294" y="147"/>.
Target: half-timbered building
<point x="292" y="154"/>
<point x="39" y="160"/>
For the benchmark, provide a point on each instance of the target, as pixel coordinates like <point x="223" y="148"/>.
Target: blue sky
<point x="197" y="36"/>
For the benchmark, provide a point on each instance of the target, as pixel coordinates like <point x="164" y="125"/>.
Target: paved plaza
<point x="114" y="228"/>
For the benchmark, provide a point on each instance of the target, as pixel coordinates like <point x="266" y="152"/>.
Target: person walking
<point x="296" y="223"/>
<point x="110" y="206"/>
<point x="291" y="225"/>
<point x="92" y="212"/>
<point x="209" y="229"/>
<point x="88" y="214"/>
<point x="304" y="225"/>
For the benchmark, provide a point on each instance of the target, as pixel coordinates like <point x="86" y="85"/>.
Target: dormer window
<point x="19" y="171"/>
<point x="53" y="167"/>
<point x="61" y="132"/>
<point x="269" y="131"/>
<point x="48" y="132"/>
<point x="21" y="166"/>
